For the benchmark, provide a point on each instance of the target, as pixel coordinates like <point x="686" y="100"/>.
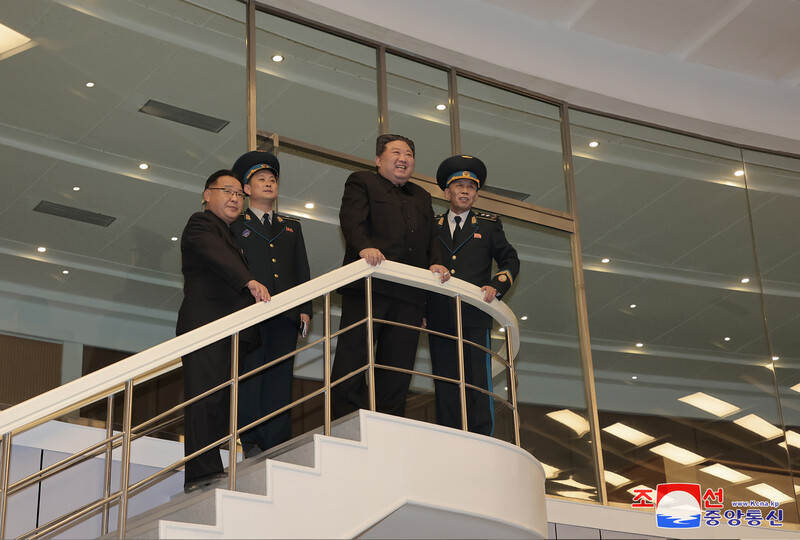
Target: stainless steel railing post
<point x="109" y="457"/>
<point x="462" y="389"/>
<point x="512" y="384"/>
<point x="370" y="348"/>
<point x="234" y="411"/>
<point x="4" y="470"/>
<point x="126" y="458"/>
<point x="326" y="370"/>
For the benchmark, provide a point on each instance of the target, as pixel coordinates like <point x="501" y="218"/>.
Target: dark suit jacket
<point x="215" y="274"/>
<point x="276" y="254"/>
<point x="396" y="220"/>
<point x="471" y="260"/>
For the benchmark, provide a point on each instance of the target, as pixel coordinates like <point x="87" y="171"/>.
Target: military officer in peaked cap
<point x="470" y="241"/>
<point x="276" y="254"/>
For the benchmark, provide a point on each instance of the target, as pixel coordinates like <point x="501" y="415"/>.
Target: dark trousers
<point x="208" y="419"/>
<point x="271" y="389"/>
<point x="477" y="371"/>
<point x="395" y="347"/>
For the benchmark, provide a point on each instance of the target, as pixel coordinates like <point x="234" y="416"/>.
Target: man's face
<point x="262" y="187"/>
<point x="396" y="163"/>
<point x="225" y="198"/>
<point x="462" y="194"/>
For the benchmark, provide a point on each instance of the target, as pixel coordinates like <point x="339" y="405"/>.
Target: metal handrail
<point x="144" y="366"/>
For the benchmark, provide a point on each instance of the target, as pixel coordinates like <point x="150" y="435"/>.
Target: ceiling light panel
<point x="710" y="404"/>
<point x="575" y="422"/>
<point x="677" y="454"/>
<point x="758" y="425"/>
<point x="629" y="434"/>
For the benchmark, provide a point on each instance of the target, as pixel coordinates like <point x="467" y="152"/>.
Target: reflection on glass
<point x="519" y="139"/>
<point x="552" y="402"/>
<point x="415" y="92"/>
<point x="322" y="92"/>
<point x="774" y="190"/>
<point x="670" y="214"/>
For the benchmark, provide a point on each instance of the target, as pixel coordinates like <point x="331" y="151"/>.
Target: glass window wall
<point x="682" y="364"/>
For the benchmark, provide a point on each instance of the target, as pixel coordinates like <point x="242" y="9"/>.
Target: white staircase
<point x="399" y="479"/>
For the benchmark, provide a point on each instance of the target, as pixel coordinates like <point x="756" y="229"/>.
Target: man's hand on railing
<point x="259" y="292"/>
<point x="489" y="293"/>
<point x="444" y="273"/>
<point x="372" y="255"/>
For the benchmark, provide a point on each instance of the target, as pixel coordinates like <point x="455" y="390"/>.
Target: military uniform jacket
<point x="396" y="220"/>
<point x="215" y="274"/>
<point x="275" y="253"/>
<point x="483" y="241"/>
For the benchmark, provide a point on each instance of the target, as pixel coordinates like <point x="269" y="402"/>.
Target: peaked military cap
<point x="252" y="162"/>
<point x="462" y="166"/>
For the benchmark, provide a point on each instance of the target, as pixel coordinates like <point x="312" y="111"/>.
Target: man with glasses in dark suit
<point x="216" y="283"/>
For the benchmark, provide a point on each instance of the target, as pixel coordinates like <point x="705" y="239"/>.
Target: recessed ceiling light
<point x="710" y="404"/>
<point x="11" y="39"/>
<point x="441" y="107"/>
<point x="277" y="58"/>
<point x="727" y="338"/>
<point x="174" y="238"/>
<point x="634" y="377"/>
<point x="502" y="329"/>
<point x="677" y="454"/>
<point x="76" y="188"/>
<point x="615" y="479"/>
<point x="739" y="173"/>
<point x="309" y="205"/>
<point x="746" y="280"/>
<point x="726" y="473"/>
<point x="65" y="272"/>
<point x="524" y="318"/>
<point x="572" y="420"/>
<point x="759" y="426"/>
<point x="633" y="306"/>
<point x="640" y="345"/>
<point x="770" y="493"/>
<point x="549" y="470"/>
<point x="594" y="144"/>
<point x="41" y="249"/>
<point x="90" y="84"/>
<point x="629" y="434"/>
<point x="793" y="438"/>
<point x="776" y="358"/>
<point x="605" y="261"/>
<point x="144" y="166"/>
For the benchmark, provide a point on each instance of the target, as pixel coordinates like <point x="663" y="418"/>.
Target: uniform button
<point x="452" y="271"/>
<point x="409" y="249"/>
<point x="412" y="230"/>
<point x="272" y="245"/>
<point x="273" y="260"/>
<point x="276" y="275"/>
<point x="454" y="257"/>
<point x="408" y="216"/>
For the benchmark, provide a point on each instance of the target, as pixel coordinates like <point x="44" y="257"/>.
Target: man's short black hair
<point x="222" y="172"/>
<point x="383" y="140"/>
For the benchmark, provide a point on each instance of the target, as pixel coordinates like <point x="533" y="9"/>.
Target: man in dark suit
<point x="216" y="283"/>
<point x="472" y="240"/>
<point x="276" y="253"/>
<point x="384" y="216"/>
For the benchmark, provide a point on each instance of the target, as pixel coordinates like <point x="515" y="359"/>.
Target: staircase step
<point x="251" y="477"/>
